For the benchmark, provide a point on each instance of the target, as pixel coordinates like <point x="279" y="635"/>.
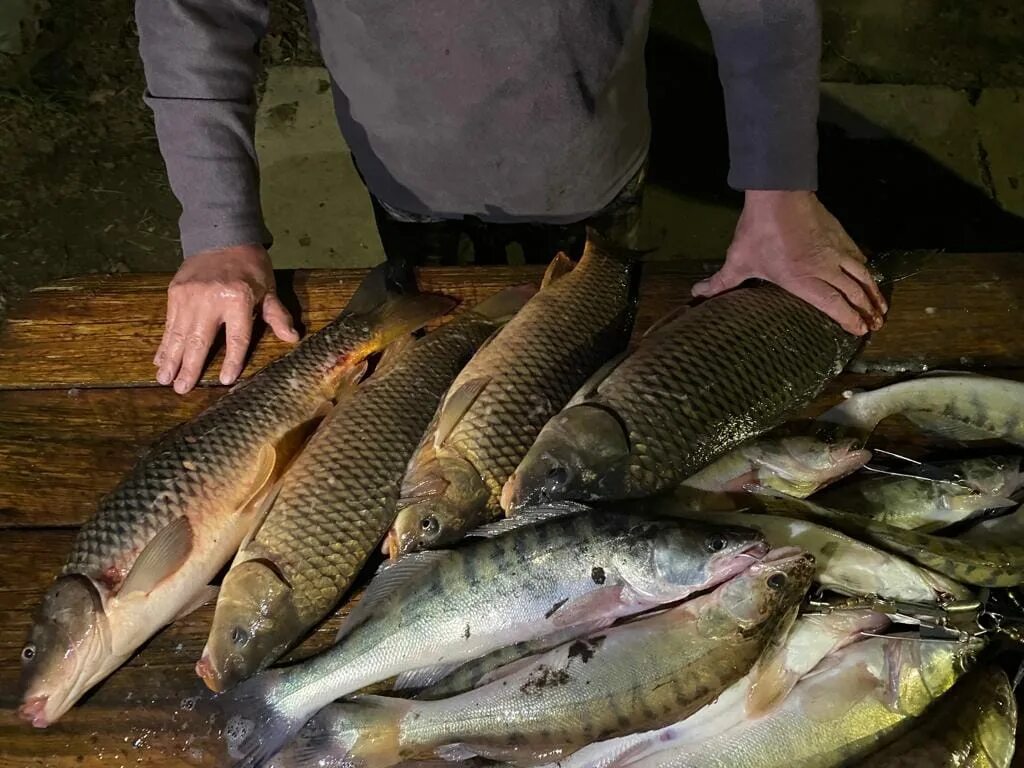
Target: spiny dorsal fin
<point x="559" y="267"/>
<point x="390" y="578"/>
<point x="455" y="406"/>
<point x="161" y="558"/>
<point x="530" y="516"/>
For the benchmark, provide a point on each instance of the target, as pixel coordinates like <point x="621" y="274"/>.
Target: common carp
<point x="337" y="500"/>
<point x="697" y="386"/>
<point x="581" y="317"/>
<point x="157" y="540"/>
<point x="550" y="570"/>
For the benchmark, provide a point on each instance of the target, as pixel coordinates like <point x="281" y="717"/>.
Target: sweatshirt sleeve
<point x="769" y="54"/>
<point x="201" y="63"/>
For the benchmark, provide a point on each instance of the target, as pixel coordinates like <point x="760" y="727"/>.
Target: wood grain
<point x="958" y="310"/>
<point x="77" y="406"/>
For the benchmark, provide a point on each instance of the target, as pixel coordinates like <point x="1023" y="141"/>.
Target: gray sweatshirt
<point x="509" y="110"/>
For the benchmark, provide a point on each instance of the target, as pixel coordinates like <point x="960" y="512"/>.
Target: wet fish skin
<point x="928" y="505"/>
<point x="645" y="673"/>
<point x="553" y="569"/>
<point x="699" y="385"/>
<point x="859" y="697"/>
<point x="973" y="726"/>
<point x="962" y="407"/>
<point x="509" y="390"/>
<point x="976" y="563"/>
<point x="337" y="500"/>
<point x="159" y="538"/>
<point x="789" y="657"/>
<point x="844" y="563"/>
<point x="797" y="465"/>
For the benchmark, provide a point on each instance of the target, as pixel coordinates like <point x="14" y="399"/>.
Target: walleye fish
<point x="858" y="698"/>
<point x="797" y="465"/>
<point x="646" y="673"/>
<point x="961" y="407"/>
<point x="846" y="565"/>
<point x="925" y="505"/>
<point x="979" y="563"/>
<point x="335" y="503"/>
<point x="791" y="656"/>
<point x="696" y="386"/>
<point x="148" y="554"/>
<point x="554" y="568"/>
<point x="581" y="317"/>
<point x="973" y="725"/>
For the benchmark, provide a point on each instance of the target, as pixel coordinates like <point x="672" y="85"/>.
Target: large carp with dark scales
<point x="160" y="537"/>
<point x="697" y="385"/>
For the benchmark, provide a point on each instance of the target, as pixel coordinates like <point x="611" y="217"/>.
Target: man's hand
<point x="214" y="288"/>
<point x="788" y="238"/>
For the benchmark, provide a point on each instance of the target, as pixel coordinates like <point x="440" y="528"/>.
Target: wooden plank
<point x="958" y="307"/>
<point x="135" y="717"/>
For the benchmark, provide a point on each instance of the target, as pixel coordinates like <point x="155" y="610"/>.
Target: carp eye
<point x="239" y="636"/>
<point x="28" y="652"/>
<point x="557" y="476"/>
<point x="430" y="525"/>
<point x="777" y="581"/>
<point x="1001" y="705"/>
<point x="715" y="543"/>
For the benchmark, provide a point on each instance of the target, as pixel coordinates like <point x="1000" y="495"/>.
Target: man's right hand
<point x="213" y="288"/>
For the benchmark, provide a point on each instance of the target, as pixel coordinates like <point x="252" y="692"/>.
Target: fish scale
<point x="319" y="535"/>
<point x="696" y="386"/>
<point x="222" y="442"/>
<point x="160" y="537"/>
<point x="494" y="409"/>
<point x="336" y="501"/>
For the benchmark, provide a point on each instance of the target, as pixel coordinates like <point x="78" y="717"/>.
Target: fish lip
<point x="725" y="567"/>
<point x="34" y="711"/>
<point x="207" y="672"/>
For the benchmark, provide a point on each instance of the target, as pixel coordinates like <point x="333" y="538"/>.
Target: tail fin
<point x="500" y="307"/>
<point x="362" y="732"/>
<point x="606" y="246"/>
<point x="253" y="726"/>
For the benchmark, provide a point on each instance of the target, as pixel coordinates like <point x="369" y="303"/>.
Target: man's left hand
<point x="789" y="239"/>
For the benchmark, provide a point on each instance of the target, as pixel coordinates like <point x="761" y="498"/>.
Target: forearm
<point x="201" y="64"/>
<point x="769" y="55"/>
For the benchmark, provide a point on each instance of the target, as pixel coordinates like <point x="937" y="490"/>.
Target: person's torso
<point x="504" y="110"/>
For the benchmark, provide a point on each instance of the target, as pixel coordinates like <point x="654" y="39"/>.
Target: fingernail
<point x="876" y="323"/>
<point x="163" y="376"/>
<point x="228" y="377"/>
<point x="180" y="387"/>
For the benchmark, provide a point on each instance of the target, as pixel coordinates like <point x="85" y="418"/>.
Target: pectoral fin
<point x="600" y="604"/>
<point x="559" y="267"/>
<point x="206" y="595"/>
<point x="161" y="558"/>
<point x="455" y="406"/>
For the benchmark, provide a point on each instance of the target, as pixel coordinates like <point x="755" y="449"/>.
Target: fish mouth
<point x="208" y="673"/>
<point x="34" y="711"/>
<point x="725" y="567"/>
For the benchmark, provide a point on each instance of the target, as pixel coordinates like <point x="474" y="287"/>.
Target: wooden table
<point x="78" y="403"/>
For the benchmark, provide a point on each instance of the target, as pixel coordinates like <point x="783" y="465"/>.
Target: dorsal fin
<point x="559" y="267"/>
<point x="529" y="516"/>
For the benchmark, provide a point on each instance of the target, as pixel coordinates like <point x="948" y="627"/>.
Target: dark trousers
<point x="472" y="241"/>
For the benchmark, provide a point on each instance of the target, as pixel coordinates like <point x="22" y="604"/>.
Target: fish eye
<point x="28" y="652"/>
<point x="557" y="476"/>
<point x="430" y="525"/>
<point x="1001" y="705"/>
<point x="777" y="581"/>
<point x="715" y="543"/>
<point x="239" y="636"/>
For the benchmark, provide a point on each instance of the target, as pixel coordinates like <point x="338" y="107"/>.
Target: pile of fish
<point x="601" y="554"/>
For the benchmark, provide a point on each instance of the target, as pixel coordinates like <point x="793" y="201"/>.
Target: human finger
<point x="724" y="279"/>
<point x="859" y="271"/>
<point x="857" y="297"/>
<point x="172" y="313"/>
<point x="831" y="301"/>
<point x="238" y="334"/>
<point x="172" y="348"/>
<point x="198" y="341"/>
<point x="278" y="318"/>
